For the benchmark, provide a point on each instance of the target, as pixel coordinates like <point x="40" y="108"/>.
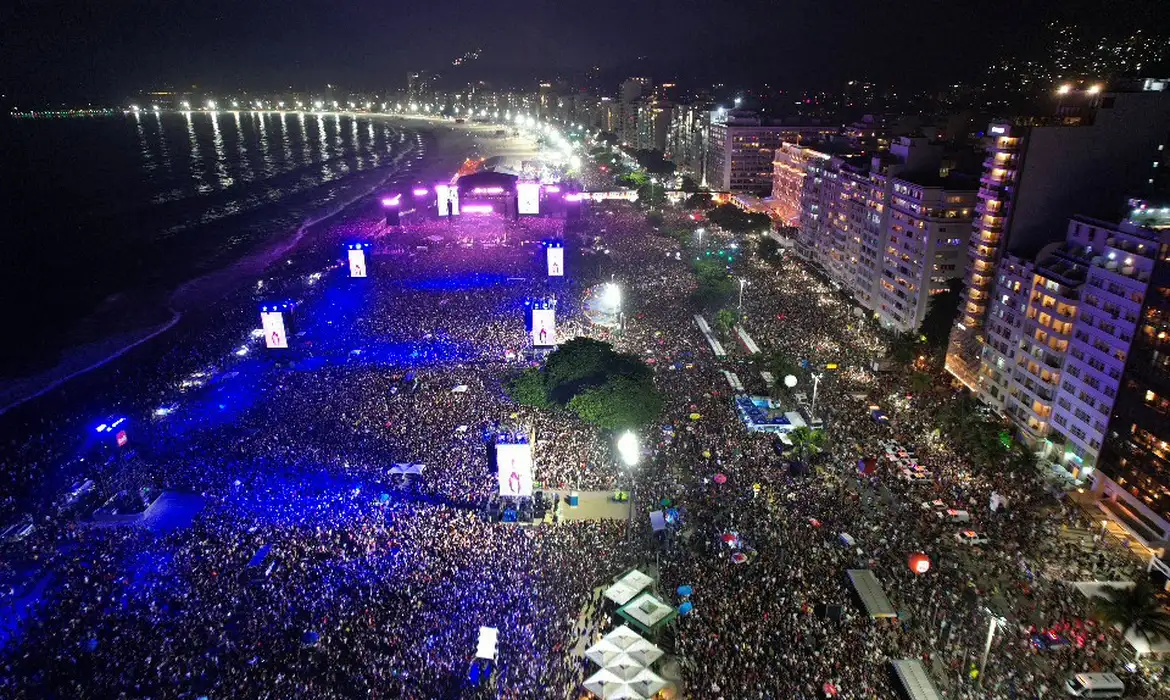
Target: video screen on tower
<point x="274" y="331"/>
<point x="528" y="197"/>
<point x="357" y="262"/>
<point x="556" y="261"/>
<point x="514" y="466"/>
<point x="447" y="199"/>
<point x="544" y="327"/>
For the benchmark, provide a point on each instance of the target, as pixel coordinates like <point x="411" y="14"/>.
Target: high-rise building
<point x="686" y="142"/>
<point x="1039" y="171"/>
<point x="887" y="228"/>
<point x="740" y="147"/>
<point x="1133" y="471"/>
<point x="653" y="123"/>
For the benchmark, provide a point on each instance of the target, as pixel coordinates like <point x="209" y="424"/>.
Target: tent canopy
<point x="872" y="596"/>
<point x="627" y="586"/>
<point x="622" y="637"/>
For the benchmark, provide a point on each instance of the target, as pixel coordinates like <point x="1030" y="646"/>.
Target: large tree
<point x="586" y="376"/>
<point x="1136" y="610"/>
<point x="941" y="315"/>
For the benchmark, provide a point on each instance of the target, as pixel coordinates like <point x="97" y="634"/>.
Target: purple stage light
<point x="392" y="201"/>
<point x="421" y="192"/>
<point x="552" y="188"/>
<point x="478" y="209"/>
<point x="488" y="190"/>
<point x="573" y="197"/>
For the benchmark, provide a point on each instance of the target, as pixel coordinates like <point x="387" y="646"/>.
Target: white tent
<point x="625" y="692"/>
<point x="624" y="666"/>
<point x="603" y="683"/>
<point x="623" y="637"/>
<point x="644" y="652"/>
<point x="603" y="652"/>
<point x="647" y="683"/>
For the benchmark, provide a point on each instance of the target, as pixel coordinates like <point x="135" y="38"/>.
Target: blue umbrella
<point x="685" y="590"/>
<point x="311" y="638"/>
<point x="686" y="608"/>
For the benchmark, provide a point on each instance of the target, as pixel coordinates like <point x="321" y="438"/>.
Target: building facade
<point x="1084" y="160"/>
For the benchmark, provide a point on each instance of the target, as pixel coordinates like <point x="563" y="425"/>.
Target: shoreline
<point x="204" y="291"/>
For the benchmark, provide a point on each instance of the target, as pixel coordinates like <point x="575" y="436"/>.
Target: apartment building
<point x="885" y="227"/>
<point x="686" y="141"/>
<point x="740" y="148"/>
<point x="1083" y="160"/>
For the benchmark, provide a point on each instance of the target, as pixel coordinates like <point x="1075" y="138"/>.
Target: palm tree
<point x="806" y="442"/>
<point x="1136" y="610"/>
<point x="920" y="382"/>
<point x="903" y="349"/>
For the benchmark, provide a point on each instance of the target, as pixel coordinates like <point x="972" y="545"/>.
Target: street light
<point x="628" y="449"/>
<point x="995" y="621"/>
<point x="812" y="408"/>
<point x="742" y="282"/>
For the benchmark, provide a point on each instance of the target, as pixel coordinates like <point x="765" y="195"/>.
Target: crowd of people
<point x="375" y="585"/>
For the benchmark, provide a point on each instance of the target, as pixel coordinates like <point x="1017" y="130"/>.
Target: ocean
<point x="105" y="216"/>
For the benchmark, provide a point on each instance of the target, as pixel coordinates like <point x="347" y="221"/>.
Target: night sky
<point x="68" y="49"/>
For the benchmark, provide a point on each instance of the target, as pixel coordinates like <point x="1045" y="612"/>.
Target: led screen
<point x="514" y="463"/>
<point x="274" y="332"/>
<point x="556" y="261"/>
<point x="528" y="197"/>
<point x="544" y="327"/>
<point x="357" y="263"/>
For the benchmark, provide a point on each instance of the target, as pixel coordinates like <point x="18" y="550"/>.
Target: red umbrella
<point x="721" y="478"/>
<point x="728" y="537"/>
<point x="814" y="522"/>
<point x="739" y="557"/>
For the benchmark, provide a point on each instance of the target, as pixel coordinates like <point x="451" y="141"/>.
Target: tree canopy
<point x="736" y="220"/>
<point x="586" y="376"/>
<point x="941" y="315"/>
<point x="1135" y="609"/>
<point x="716" y="286"/>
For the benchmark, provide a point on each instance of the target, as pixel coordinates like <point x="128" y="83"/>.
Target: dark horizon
<point x="69" y="52"/>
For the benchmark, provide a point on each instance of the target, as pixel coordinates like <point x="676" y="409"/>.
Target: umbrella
<point x="311" y="638"/>
<point x="814" y="522"/>
<point x="601" y="682"/>
<point x="603" y="652"/>
<point x="707" y="454"/>
<point x="696" y="416"/>
<point x="644" y="652"/>
<point x="728" y="538"/>
<point x="686" y="608"/>
<point x="739" y="557"/>
<point x="720" y="478"/>
<point x="685" y="590"/>
<point x="623" y="636"/>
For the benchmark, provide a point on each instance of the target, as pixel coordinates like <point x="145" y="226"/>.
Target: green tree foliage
<point x="920" y="382"/>
<point x="688" y="184"/>
<point x="586" y="376"/>
<point x="806" y="443"/>
<point x="715" y="285"/>
<point x="768" y="249"/>
<point x="651" y="195"/>
<point x="633" y="180"/>
<point x="941" y="315"/>
<point x="903" y="349"/>
<point x="655" y="218"/>
<point x="608" y="138"/>
<point x="699" y="200"/>
<point x="653" y="162"/>
<point x="1135" y="610"/>
<point x="527" y="389"/>
<point x="725" y="321"/>
<point x="736" y="220"/>
<point x="621" y="402"/>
